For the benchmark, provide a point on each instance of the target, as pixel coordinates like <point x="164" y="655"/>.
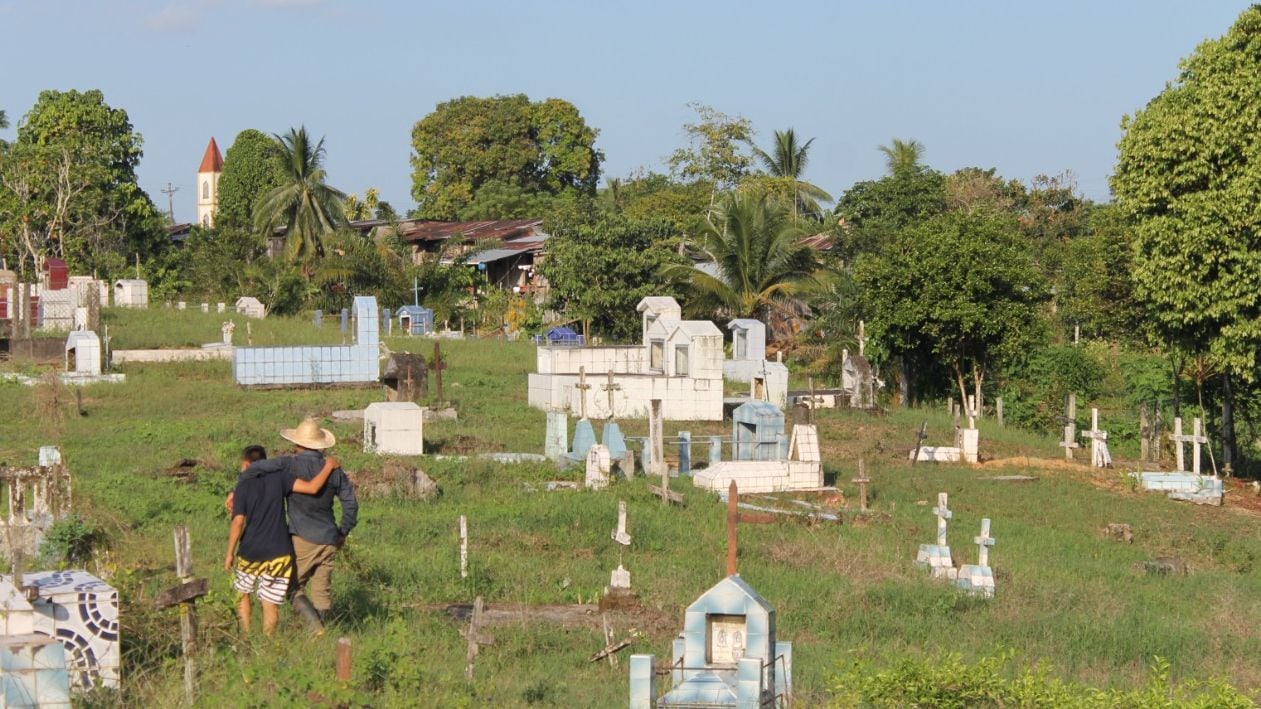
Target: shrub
<point x="71" y="541"/>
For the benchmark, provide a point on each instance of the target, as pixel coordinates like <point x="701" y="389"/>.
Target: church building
<point x="208" y="184"/>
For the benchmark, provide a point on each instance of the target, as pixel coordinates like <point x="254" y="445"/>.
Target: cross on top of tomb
<point x="984" y="542"/>
<point x="942" y="510"/>
<point x="611" y="387"/>
<point x="582" y="386"/>
<point x="1196" y="439"/>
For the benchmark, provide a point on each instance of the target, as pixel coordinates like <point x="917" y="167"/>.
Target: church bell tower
<point x="208" y="184"/>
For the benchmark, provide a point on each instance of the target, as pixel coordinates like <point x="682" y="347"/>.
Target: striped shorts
<point x="269" y="580"/>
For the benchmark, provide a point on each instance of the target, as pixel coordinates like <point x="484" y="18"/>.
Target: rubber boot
<point x="309" y="614"/>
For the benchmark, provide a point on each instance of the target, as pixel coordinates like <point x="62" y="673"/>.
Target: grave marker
<point x="862" y="480"/>
<point x="464" y="548"/>
<point x="1195" y="439"/>
<point x="582" y="386"/>
<point x="186" y="595"/>
<point x="437" y="364"/>
<point x="936" y="557"/>
<point x="1099" y="455"/>
<point x="978" y="578"/>
<point x="620" y="535"/>
<point x="919" y="439"/>
<point x="1070" y="427"/>
<point x="611" y="387"/>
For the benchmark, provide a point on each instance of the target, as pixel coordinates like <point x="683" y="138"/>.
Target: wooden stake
<point x="343" y="659"/>
<point x="186" y="595"/>
<point x="733" y="514"/>
<point x="919" y="440"/>
<point x="463" y="547"/>
<point x="475" y="637"/>
<point x="608" y="639"/>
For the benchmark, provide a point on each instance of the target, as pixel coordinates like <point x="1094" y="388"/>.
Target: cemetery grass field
<point x="1067" y="597"/>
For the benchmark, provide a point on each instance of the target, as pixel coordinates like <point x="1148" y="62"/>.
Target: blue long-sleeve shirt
<point x="311" y="516"/>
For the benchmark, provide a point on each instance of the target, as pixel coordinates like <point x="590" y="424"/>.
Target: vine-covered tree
<point x="1188" y="174"/>
<point x="543" y="146"/>
<point x="251" y="169"/>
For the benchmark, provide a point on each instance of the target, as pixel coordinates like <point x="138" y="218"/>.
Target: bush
<point x="1035" y="392"/>
<point x="71" y="541"/>
<point x="947" y="681"/>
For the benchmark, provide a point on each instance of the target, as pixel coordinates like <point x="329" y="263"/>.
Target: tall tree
<point x="4" y="120"/>
<point x="788" y="159"/>
<point x="303" y="203"/>
<point x="957" y="288"/>
<point x="252" y="168"/>
<point x="68" y="186"/>
<point x="542" y="146"/>
<point x="871" y="212"/>
<point x="716" y="151"/>
<point x="903" y="156"/>
<point x="1188" y="172"/>
<point x="756" y="255"/>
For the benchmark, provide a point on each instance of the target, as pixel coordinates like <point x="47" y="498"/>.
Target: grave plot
<point x="306" y="366"/>
<point x="35" y="498"/>
<point x="1183" y="484"/>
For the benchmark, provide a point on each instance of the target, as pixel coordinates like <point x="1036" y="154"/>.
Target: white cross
<point x="943" y="513"/>
<point x="862" y="338"/>
<point x="619" y="535"/>
<point x="1096" y="437"/>
<point x="1195" y="439"/>
<point x="610" y="388"/>
<point x="582" y="386"/>
<point x="984" y="542"/>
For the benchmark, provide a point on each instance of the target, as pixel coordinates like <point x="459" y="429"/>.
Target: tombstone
<point x="83" y="353"/>
<point x="393" y="428"/>
<point x="228" y="328"/>
<point x="756" y="431"/>
<point x="133" y="293"/>
<point x="1070" y="427"/>
<point x="685" y="453"/>
<point x="80" y="611"/>
<point x="318" y="318"/>
<point x="584" y="438"/>
<point x="406" y="377"/>
<point x="221" y="307"/>
<point x="205" y="307"/>
<point x="715" y="449"/>
<point x="181" y="305"/>
<point x="37" y="497"/>
<point x="936" y="557"/>
<point x="34" y="670"/>
<point x="414" y="320"/>
<point x="599" y="464"/>
<point x="968" y="440"/>
<point x="611" y="437"/>
<point x="250" y="307"/>
<point x="620" y="535"/>
<point x="620" y="580"/>
<point x="656" y="440"/>
<point x="557" y="442"/>
<point x="345" y="320"/>
<point x="858" y="378"/>
<point x="80" y="320"/>
<point x="727" y="655"/>
<point x="978" y="579"/>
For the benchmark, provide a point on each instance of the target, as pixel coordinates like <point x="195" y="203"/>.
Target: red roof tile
<point x="212" y="161"/>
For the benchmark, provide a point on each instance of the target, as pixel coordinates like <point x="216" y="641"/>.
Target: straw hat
<point x="308" y="434"/>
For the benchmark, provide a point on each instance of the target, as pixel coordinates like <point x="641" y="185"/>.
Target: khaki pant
<point x="315" y="571"/>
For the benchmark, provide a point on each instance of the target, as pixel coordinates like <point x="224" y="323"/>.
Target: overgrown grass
<point x="1066" y="596"/>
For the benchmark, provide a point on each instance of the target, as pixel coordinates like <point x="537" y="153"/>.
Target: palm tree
<point x="756" y="258"/>
<point x="789" y="160"/>
<point x="307" y="207"/>
<point x="903" y="155"/>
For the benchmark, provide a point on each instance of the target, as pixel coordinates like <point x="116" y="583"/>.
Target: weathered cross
<point x="943" y="513"/>
<point x="1097" y="438"/>
<point x="620" y="535"/>
<point x="862" y="480"/>
<point x="919" y="441"/>
<point x="582" y="386"/>
<point x="1195" y="439"/>
<point x="1070" y="427"/>
<point x="611" y="387"/>
<point x="186" y="595"/>
<point x="984" y="542"/>
<point x="437" y="365"/>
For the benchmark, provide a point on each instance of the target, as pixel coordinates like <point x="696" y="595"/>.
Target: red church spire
<point x="212" y="161"/>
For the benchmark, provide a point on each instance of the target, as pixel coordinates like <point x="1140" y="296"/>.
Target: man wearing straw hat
<point x="315" y="532"/>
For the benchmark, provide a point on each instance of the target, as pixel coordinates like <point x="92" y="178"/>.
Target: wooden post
<point x="1144" y="436"/>
<point x="919" y="440"/>
<point x="608" y="638"/>
<point x="862" y="481"/>
<point x="343" y="659"/>
<point x="998" y="410"/>
<point x="733" y="503"/>
<point x="437" y="365"/>
<point x="463" y="547"/>
<point x="185" y="595"/>
<point x="475" y="637"/>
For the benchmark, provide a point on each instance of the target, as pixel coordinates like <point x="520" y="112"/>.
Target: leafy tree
<point x="302" y="203"/>
<point x="1187" y="175"/>
<point x="505" y="200"/>
<point x="903" y="156"/>
<point x="1096" y="290"/>
<point x="370" y="207"/>
<point x="252" y="168"/>
<point x="68" y="186"/>
<point x="957" y="288"/>
<point x="652" y="195"/>
<point x="871" y="212"/>
<point x="971" y="188"/>
<point x="757" y="257"/>
<point x="542" y="146"/>
<point x="788" y="159"/>
<point x="601" y="265"/>
<point x="716" y="150"/>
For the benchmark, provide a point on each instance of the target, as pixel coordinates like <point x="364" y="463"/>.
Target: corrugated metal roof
<point x="501" y="229"/>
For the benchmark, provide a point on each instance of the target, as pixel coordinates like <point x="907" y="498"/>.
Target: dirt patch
<point x="184" y="471"/>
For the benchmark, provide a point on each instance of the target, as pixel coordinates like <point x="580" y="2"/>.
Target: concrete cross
<point x="620" y="535"/>
<point x="943" y="513"/>
<point x="1096" y="437"/>
<point x="984" y="542"/>
<point x="582" y="386"/>
<point x="1195" y="439"/>
<point x="611" y="387"/>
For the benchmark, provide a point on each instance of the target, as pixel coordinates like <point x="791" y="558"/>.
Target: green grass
<point x="1066" y="596"/>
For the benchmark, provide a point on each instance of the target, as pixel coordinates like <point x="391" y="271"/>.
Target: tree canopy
<point x="251" y="168"/>
<point x="468" y="142"/>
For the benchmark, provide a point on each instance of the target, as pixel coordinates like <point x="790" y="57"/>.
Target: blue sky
<point x="1025" y="87"/>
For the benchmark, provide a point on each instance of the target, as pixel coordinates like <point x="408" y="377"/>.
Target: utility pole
<point x="170" y="201"/>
